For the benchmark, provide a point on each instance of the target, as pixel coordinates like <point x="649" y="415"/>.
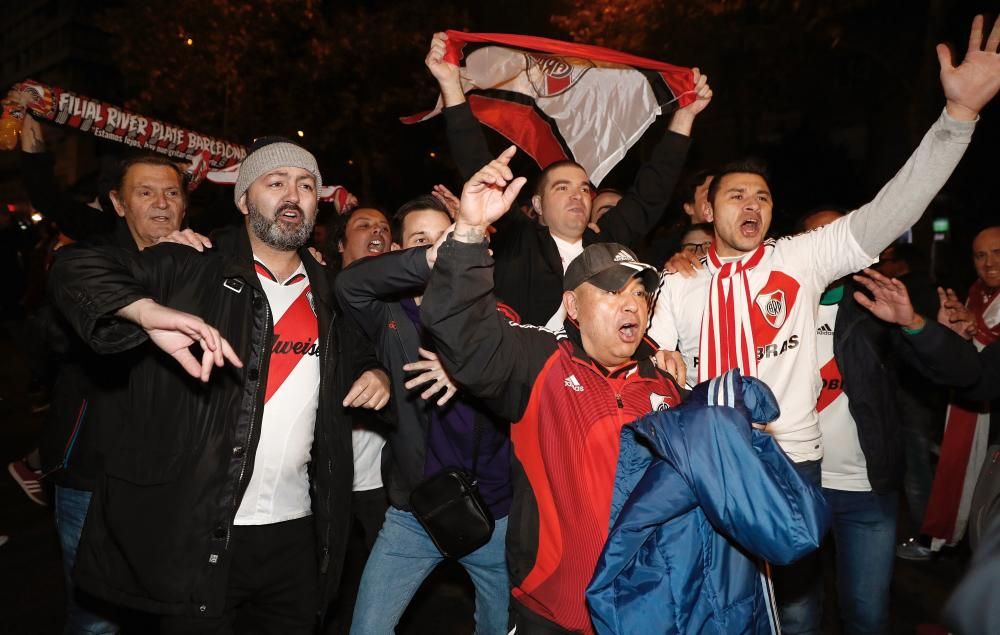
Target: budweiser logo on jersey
<point x="773" y="307"/>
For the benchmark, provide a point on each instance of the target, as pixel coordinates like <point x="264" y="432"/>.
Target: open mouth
<point x="160" y="219"/>
<point x="376" y="246"/>
<point x="291" y="214"/>
<point x="750" y="227"/>
<point x="628" y="332"/>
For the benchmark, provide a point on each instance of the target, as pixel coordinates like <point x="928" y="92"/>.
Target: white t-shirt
<point x="844" y="466"/>
<point x="567" y="253"/>
<point x="367" y="459"/>
<point x="786" y="286"/>
<point x="279" y="486"/>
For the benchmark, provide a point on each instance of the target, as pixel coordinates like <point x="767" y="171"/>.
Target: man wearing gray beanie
<point x="228" y="501"/>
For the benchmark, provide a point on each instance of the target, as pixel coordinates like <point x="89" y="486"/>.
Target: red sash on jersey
<point x="963" y="445"/>
<point x="726" y="335"/>
<point x="297" y="328"/>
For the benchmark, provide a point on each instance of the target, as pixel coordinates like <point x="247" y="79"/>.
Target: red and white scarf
<point x="727" y="340"/>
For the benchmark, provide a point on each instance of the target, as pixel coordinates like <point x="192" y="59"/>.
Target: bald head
<point x="986" y="256"/>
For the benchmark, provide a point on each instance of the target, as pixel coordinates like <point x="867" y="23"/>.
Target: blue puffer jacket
<point x="700" y="497"/>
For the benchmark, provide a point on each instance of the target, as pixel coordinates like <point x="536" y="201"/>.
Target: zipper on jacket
<point x="618" y="398"/>
<point x="325" y="553"/>
<point x="253" y="416"/>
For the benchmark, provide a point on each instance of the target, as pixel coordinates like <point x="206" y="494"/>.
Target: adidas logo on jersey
<point x="824" y="330"/>
<point x="574" y="383"/>
<point x="622" y="256"/>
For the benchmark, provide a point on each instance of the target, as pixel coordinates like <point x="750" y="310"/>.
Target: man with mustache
<point x="226" y="500"/>
<point x="753" y="306"/>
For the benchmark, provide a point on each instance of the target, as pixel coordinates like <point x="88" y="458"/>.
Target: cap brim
<point x="617" y="276"/>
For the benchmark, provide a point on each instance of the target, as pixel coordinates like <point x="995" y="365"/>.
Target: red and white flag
<point x="559" y="100"/>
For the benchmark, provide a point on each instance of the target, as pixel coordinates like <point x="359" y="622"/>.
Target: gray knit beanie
<point x="271" y="153"/>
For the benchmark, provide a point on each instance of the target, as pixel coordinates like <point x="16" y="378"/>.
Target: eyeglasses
<point x="697" y="247"/>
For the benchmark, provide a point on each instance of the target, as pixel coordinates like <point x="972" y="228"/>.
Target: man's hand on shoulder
<point x="684" y="263"/>
<point x="671" y="362"/>
<point x="188" y="238"/>
<point x="175" y="331"/>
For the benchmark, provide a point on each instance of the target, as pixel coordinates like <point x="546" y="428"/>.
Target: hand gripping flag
<point x="559" y="100"/>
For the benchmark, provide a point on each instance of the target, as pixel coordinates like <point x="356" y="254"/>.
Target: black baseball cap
<point x="609" y="266"/>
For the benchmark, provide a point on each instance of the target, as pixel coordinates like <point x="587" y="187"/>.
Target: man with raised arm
<point x="531" y="259"/>
<point x="753" y="306"/>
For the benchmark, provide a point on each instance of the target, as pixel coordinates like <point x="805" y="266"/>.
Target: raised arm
<point x="486" y="355"/>
<point x="643" y="205"/>
<point x="967" y="89"/>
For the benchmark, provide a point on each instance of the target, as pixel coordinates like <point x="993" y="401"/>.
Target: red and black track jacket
<point x="568" y="412"/>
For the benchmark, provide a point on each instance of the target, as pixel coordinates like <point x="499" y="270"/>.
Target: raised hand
<point x="446" y="73"/>
<point x="447" y="198"/>
<point x="486" y="197"/>
<point x="175" y="331"/>
<point x="892" y="301"/>
<point x="683" y="119"/>
<point x="972" y="84"/>
<point x="431" y="371"/>
<point x="955" y="315"/>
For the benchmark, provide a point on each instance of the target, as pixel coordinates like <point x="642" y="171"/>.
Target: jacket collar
<point x="641" y="357"/>
<point x="234" y="243"/>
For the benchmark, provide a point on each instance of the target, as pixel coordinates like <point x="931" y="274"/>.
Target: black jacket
<point x="529" y="272"/>
<point x="862" y="346"/>
<point x="87" y="397"/>
<point x="369" y="290"/>
<point x="157" y="534"/>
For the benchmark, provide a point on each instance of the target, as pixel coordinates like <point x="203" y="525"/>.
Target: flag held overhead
<point x="561" y="100"/>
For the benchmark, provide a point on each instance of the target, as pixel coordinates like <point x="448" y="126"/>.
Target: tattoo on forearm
<point x="469" y="234"/>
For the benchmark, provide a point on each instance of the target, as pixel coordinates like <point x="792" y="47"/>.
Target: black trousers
<point x="273" y="584"/>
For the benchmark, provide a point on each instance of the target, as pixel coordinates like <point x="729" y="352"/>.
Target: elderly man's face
<point x="281" y="207"/>
<point x="612" y="324"/>
<point x="151" y="200"/>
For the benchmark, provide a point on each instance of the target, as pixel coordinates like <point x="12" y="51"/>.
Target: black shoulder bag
<point x="451" y="509"/>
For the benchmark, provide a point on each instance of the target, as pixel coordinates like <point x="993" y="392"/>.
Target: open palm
<point x="973" y="83"/>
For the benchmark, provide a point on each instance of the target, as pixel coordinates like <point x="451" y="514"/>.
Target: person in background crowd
<point x="921" y="401"/>
<point x="969" y="425"/>
<point x="697" y="239"/>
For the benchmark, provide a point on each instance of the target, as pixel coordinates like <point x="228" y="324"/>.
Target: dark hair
<point x="424" y="202"/>
<point x="743" y="166"/>
<point x="692" y="184"/>
<point x="800" y="224"/>
<point x="708" y="228"/>
<point x="540" y="182"/>
<point x="150" y="159"/>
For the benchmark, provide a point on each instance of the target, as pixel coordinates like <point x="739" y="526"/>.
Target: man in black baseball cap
<point x="606" y="292"/>
<point x="567" y="392"/>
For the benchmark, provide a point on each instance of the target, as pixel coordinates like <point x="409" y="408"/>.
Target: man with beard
<point x="225" y="502"/>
